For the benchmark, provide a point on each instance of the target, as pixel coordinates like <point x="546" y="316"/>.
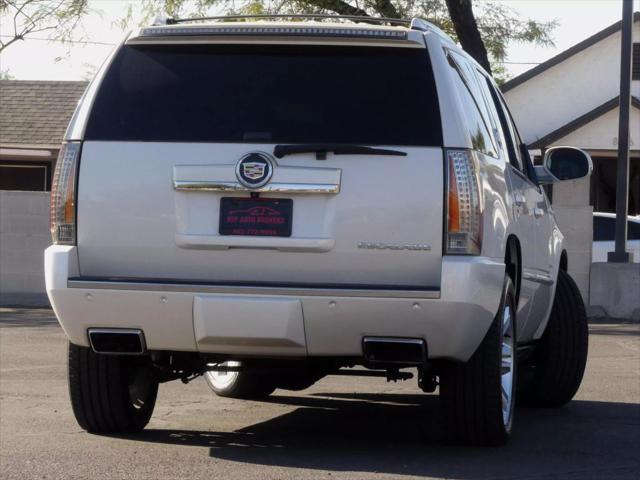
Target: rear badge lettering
<point x="394" y="246"/>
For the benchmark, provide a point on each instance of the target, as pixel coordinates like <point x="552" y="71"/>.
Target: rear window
<point x="257" y="93"/>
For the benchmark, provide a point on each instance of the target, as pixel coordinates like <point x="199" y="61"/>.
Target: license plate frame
<point x="256" y="217"/>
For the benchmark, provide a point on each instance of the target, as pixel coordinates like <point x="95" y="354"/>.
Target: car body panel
<point x="453" y="321"/>
<point x="149" y="254"/>
<point x="146" y="228"/>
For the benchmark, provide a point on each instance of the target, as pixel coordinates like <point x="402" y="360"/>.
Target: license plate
<point x="266" y="217"/>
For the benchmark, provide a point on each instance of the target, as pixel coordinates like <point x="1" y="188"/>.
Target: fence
<point x="24" y="235"/>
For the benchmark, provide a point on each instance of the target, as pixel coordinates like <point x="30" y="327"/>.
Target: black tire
<point x="110" y="393"/>
<point x="471" y="392"/>
<point x="242" y="385"/>
<point x="552" y="376"/>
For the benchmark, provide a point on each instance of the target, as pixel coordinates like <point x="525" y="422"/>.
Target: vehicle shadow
<point x="27" y="317"/>
<point x="615" y="329"/>
<point x="400" y="435"/>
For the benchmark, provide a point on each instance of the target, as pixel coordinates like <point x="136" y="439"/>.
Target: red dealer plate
<point x="265" y="217"/>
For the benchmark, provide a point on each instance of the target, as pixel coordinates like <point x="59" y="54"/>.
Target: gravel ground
<point x="342" y="427"/>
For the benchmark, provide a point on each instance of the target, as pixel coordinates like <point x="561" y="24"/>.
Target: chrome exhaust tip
<point x="393" y="351"/>
<point x="117" y="341"/>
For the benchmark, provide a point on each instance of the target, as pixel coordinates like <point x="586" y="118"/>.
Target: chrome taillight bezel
<point x="63" y="195"/>
<point x="464" y="214"/>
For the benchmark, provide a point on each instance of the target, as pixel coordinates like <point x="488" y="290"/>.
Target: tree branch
<point x="338" y="6"/>
<point x="386" y="9"/>
<point x="461" y="13"/>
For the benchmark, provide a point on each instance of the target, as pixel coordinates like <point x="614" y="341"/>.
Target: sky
<point x="39" y="59"/>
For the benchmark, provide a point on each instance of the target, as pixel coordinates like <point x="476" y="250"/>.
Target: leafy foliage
<point x="26" y="17"/>
<point x="498" y="23"/>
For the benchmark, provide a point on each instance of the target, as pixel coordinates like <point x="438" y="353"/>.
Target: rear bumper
<point x="280" y="322"/>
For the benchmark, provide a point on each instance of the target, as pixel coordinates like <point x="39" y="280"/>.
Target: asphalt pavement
<point x="342" y="427"/>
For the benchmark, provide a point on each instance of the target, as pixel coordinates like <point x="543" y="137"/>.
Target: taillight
<point x="464" y="222"/>
<point x="63" y="196"/>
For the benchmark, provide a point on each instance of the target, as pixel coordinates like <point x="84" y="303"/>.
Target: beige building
<point x="33" y="118"/>
<point x="572" y="99"/>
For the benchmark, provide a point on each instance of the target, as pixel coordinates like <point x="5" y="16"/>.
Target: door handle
<point x="519" y="199"/>
<point x="538" y="212"/>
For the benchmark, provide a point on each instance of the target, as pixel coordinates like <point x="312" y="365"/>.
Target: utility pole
<point x="620" y="255"/>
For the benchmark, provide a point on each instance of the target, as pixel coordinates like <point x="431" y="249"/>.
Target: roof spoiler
<point x="165" y="26"/>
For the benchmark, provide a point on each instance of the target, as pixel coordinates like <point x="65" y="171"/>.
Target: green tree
<point x="484" y="29"/>
<point x="22" y="18"/>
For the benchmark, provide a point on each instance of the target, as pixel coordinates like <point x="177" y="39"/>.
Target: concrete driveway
<point x="342" y="427"/>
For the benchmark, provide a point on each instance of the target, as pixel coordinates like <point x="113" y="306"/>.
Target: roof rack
<point x="226" y="18"/>
<point x="425" y="26"/>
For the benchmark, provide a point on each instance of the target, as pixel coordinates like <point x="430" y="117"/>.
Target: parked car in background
<point x="268" y="203"/>
<point x="604" y="232"/>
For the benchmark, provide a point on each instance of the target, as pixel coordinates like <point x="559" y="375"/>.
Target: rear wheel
<point x="241" y="385"/>
<point x="110" y="393"/>
<point x="478" y="396"/>
<point x="552" y="376"/>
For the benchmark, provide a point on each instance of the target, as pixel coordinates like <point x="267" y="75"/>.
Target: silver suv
<point x="268" y="203"/>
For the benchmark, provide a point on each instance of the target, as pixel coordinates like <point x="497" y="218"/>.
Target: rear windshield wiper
<point x="321" y="150"/>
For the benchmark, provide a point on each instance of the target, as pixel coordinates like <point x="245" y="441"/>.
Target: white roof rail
<point x="311" y="16"/>
<point x="162" y="20"/>
<point x="425" y="26"/>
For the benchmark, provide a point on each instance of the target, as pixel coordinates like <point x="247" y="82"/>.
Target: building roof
<point x="36" y="113"/>
<point x="581" y="121"/>
<point x="577" y="48"/>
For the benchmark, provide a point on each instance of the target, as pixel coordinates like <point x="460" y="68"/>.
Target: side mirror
<point x="564" y="163"/>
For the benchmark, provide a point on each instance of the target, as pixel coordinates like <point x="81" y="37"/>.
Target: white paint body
<point x="151" y="257"/>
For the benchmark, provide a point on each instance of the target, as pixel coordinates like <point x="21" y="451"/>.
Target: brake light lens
<point x="464" y="222"/>
<point x="273" y="30"/>
<point x="63" y="196"/>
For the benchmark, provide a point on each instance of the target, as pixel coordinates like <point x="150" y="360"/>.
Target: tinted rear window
<point x="280" y="94"/>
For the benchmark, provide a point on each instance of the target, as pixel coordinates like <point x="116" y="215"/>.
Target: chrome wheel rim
<point x="508" y="364"/>
<point x="222" y="380"/>
<point x="139" y="387"/>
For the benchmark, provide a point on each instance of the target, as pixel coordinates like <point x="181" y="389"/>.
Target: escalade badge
<point x="254" y="170"/>
<point x="394" y="246"/>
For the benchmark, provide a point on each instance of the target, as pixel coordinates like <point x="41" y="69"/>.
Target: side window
<point x="633" y="231"/>
<point x="492" y="112"/>
<point x="603" y="229"/>
<point x="510" y="134"/>
<point x="525" y="158"/>
<point x="478" y="124"/>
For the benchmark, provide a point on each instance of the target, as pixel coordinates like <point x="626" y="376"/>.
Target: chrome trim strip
<point x="282" y="244"/>
<point x="538" y="278"/>
<point x="412" y="341"/>
<point x="251" y="290"/>
<point x="225" y="186"/>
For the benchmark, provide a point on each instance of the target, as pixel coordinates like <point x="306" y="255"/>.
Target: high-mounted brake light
<point x="464" y="222"/>
<point x="63" y="196"/>
<point x="277" y="31"/>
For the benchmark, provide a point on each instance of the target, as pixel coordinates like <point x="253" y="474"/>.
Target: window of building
<point x="603" y="185"/>
<point x="635" y="63"/>
<point x="30" y="176"/>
